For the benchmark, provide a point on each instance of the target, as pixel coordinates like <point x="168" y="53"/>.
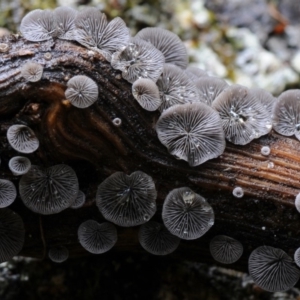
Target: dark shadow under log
<point x="88" y="141"/>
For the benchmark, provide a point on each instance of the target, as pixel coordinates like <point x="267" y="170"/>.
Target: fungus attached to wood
<point x="93" y="31"/>
<point x="49" y="191"/>
<point x="8" y="193"/>
<point x="19" y="165"/>
<point x="243" y="116"/>
<point x="146" y="92"/>
<point x="209" y="88"/>
<point x="272" y="269"/>
<point x="286" y="114"/>
<point x="192" y="132"/>
<point x="175" y="87"/>
<point x="82" y="91"/>
<point x="32" y="71"/>
<point x="187" y="214"/>
<point x="238" y="192"/>
<point x="139" y="59"/>
<point x="38" y="25"/>
<point x="97" y="238"/>
<point x="168" y="43"/>
<point x="65" y="22"/>
<point x="225" y="249"/>
<point x="127" y="200"/>
<point x="12" y="234"/>
<point x="265" y="150"/>
<point x="58" y="254"/>
<point x="22" y="138"/>
<point x="156" y="239"/>
<point x="79" y="201"/>
<point x="195" y="73"/>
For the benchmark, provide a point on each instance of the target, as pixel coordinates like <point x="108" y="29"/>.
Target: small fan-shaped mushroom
<point x="175" y="87"/>
<point x="127" y="200"/>
<point x="272" y="269"/>
<point x="238" y="192"/>
<point x="297" y="257"/>
<point x="12" y="234"/>
<point x="32" y="71"/>
<point x="156" y="239"/>
<point x="8" y="193"/>
<point x="225" y="249"/>
<point x="65" y="22"/>
<point x="146" y="92"/>
<point x="22" y="138"/>
<point x="243" y="116"/>
<point x="267" y="99"/>
<point x="265" y="150"/>
<point x="93" y="31"/>
<point x="19" y="165"/>
<point x="286" y="114"/>
<point x="192" y="132"/>
<point x="117" y="122"/>
<point x="82" y="91"/>
<point x="139" y="59"/>
<point x="209" y="88"/>
<point x="49" y="191"/>
<point x="187" y="214"/>
<point x="195" y="73"/>
<point x="38" y="25"/>
<point x="79" y="201"/>
<point x="168" y="43"/>
<point x="297" y="202"/>
<point x="97" y="238"/>
<point x="58" y="254"/>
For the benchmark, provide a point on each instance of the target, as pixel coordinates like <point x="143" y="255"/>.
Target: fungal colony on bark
<point x="198" y="113"/>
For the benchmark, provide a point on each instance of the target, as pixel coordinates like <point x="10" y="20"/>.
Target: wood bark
<point x="87" y="140"/>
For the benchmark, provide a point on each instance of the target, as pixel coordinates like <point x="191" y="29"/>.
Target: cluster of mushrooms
<point x="198" y="113"/>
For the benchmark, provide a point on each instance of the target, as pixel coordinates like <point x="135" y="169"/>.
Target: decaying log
<point x="87" y="140"/>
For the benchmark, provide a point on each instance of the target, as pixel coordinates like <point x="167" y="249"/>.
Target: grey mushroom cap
<point x="82" y="91"/>
<point x="32" y="71"/>
<point x="127" y="200"/>
<point x="187" y="214"/>
<point x="146" y="92"/>
<point x="79" y="201"/>
<point x="286" y="114"/>
<point x="19" y="165"/>
<point x="243" y="116"/>
<point x="97" y="238"/>
<point x="192" y="132"/>
<point x="209" y="88"/>
<point x="297" y="257"/>
<point x="267" y="99"/>
<point x="49" y="191"/>
<point x="272" y="269"/>
<point x="22" y="138"/>
<point x="156" y="239"/>
<point x="195" y="73"/>
<point x="297" y="202"/>
<point x="38" y="25"/>
<point x="175" y="87"/>
<point x="8" y="193"/>
<point x="168" y="43"/>
<point x="139" y="59"/>
<point x="225" y="249"/>
<point x="65" y="21"/>
<point x="58" y="254"/>
<point x="12" y="234"/>
<point x="93" y="31"/>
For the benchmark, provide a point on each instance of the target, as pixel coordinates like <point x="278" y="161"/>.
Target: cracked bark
<point x="87" y="140"/>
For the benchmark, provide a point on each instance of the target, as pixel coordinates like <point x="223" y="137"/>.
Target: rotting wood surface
<point x="87" y="140"/>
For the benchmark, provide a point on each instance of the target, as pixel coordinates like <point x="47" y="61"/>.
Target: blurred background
<point x="255" y="43"/>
